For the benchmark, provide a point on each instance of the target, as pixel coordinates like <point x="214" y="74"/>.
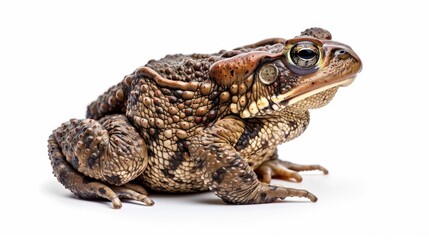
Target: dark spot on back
<point x="166" y="91"/>
<point x="188" y="111"/>
<point x="172" y="99"/>
<point x="159" y="110"/>
<point x="178" y="93"/>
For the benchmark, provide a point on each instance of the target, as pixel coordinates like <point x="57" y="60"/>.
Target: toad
<point x="191" y="123"/>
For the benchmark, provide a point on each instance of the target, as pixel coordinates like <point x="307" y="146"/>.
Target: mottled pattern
<point x="188" y="123"/>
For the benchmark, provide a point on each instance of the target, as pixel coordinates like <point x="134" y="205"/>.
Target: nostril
<point x="341" y="52"/>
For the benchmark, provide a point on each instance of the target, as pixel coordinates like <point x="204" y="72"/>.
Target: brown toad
<point x="189" y="123"/>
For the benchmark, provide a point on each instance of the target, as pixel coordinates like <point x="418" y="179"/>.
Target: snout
<point x="343" y="52"/>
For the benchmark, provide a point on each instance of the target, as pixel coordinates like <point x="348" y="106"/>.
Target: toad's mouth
<point x="308" y="90"/>
<point x="268" y="105"/>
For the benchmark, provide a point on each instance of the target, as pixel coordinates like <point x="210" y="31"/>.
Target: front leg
<point x="226" y="173"/>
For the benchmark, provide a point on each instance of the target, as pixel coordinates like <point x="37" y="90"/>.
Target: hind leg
<point x="97" y="159"/>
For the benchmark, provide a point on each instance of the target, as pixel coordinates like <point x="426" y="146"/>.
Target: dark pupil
<point x="306" y="54"/>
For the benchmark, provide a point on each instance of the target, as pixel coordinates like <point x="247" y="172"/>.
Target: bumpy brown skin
<point x="189" y="123"/>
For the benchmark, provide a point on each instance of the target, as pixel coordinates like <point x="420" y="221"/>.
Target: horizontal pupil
<point x="306" y="54"/>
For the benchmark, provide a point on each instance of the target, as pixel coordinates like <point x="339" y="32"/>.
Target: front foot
<point x="283" y="192"/>
<point x="265" y="193"/>
<point x="284" y="170"/>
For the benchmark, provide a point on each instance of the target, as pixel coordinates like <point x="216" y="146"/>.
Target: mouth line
<point x="285" y="100"/>
<point x="266" y="106"/>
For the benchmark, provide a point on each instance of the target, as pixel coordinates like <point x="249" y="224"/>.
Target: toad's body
<point x="191" y="123"/>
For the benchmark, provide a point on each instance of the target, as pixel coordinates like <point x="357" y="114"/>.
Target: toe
<point x="124" y="192"/>
<point x="104" y="191"/>
<point x="278" y="192"/>
<point x="324" y="170"/>
<point x="299" y="167"/>
<point x="116" y="203"/>
<point x="136" y="188"/>
<point x="148" y="201"/>
<point x="266" y="178"/>
<point x="312" y="197"/>
<point x="286" y="174"/>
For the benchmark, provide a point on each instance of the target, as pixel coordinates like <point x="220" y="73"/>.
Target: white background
<point x="57" y="57"/>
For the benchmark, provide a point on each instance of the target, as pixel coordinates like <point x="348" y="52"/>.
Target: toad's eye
<point x="306" y="54"/>
<point x="303" y="57"/>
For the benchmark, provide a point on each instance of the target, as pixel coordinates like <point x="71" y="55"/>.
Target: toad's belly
<point x="170" y="176"/>
<point x="164" y="176"/>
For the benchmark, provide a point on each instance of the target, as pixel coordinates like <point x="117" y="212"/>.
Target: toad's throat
<point x="300" y="94"/>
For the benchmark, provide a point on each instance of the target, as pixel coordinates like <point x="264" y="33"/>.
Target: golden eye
<point x="268" y="73"/>
<point x="304" y="55"/>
